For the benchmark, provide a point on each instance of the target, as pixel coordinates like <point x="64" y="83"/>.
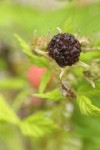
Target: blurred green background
<point x="23" y="17"/>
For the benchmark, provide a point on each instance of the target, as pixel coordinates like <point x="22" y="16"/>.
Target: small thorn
<point x="91" y="82"/>
<point x="48" y="35"/>
<point x="62" y="73"/>
<point x="35" y="34"/>
<point x="59" y="30"/>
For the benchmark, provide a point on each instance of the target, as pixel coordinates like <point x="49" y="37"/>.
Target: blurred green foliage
<point x="78" y="132"/>
<point x="24" y="20"/>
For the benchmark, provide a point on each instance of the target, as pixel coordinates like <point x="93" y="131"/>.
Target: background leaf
<point x="19" y="100"/>
<point x="88" y="90"/>
<point x="6" y="113"/>
<point x="54" y="95"/>
<point x="44" y="81"/>
<point x="86" y="107"/>
<point x="37" y="125"/>
<point x="12" y="83"/>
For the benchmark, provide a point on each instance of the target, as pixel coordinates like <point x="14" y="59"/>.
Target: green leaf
<point x="86" y="107"/>
<point x="6" y="113"/>
<point x="37" y="125"/>
<point x="12" y="83"/>
<point x="36" y="60"/>
<point x="20" y="98"/>
<point x="44" y="81"/>
<point x="54" y="95"/>
<point x="88" y="90"/>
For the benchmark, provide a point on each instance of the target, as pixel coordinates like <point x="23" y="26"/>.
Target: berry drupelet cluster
<point x="64" y="49"/>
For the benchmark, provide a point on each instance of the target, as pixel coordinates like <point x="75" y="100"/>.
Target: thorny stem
<point x="88" y="49"/>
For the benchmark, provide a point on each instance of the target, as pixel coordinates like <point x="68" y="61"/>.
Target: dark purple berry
<point x="64" y="49"/>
